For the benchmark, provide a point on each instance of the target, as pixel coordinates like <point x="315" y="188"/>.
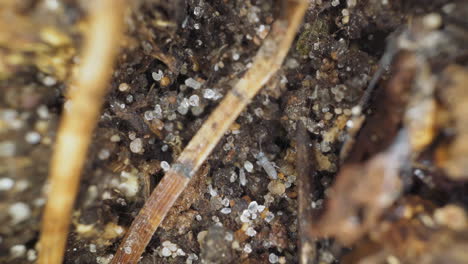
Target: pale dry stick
<point x="74" y="135"/>
<point x="267" y="61"/>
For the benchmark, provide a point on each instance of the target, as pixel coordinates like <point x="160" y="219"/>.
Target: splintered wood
<point x="267" y="61"/>
<point x="86" y="96"/>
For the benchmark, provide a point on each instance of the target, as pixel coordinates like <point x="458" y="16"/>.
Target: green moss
<point x="317" y="30"/>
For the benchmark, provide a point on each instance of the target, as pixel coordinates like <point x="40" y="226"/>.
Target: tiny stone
<point x="273" y="258"/>
<point x="92" y="248"/>
<point x="149" y="115"/>
<point x="124" y="87"/>
<point x="242" y="178"/>
<point x="244" y="219"/>
<point x="261" y="208"/>
<point x="136" y="146"/>
<point x="165" y="252"/>
<point x="248" y="248"/>
<point x="197" y="11"/>
<point x="198" y="218"/>
<point x="335" y="3"/>
<point x="235" y="56"/>
<point x="165" y="165"/>
<point x="258" y="112"/>
<point x="248" y="166"/>
<point x="229" y="237"/>
<point x="250" y="232"/>
<point x="31" y="255"/>
<point x="208" y="94"/>
<point x="276" y="187"/>
<point x="172" y="247"/>
<point x="269" y="217"/>
<point x="17" y="251"/>
<point x="157" y="76"/>
<point x="225" y="202"/>
<point x="158" y="111"/>
<point x="253" y="207"/>
<point x="104" y="154"/>
<point x="192" y="83"/>
<point x="19" y="212"/>
<point x="49" y="81"/>
<point x="33" y="137"/>
<point x="194" y="100"/>
<point x="131" y="135"/>
<point x="226" y="210"/>
<point x="128" y="99"/>
<point x="233" y="177"/>
<point x="43" y="112"/>
<point x="197" y="110"/>
<point x="115" y="138"/>
<point x="6" y="184"/>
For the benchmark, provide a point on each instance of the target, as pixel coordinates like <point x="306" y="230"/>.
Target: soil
<point x="177" y="61"/>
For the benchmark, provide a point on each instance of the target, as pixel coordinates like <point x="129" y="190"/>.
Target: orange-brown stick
<point x="267" y="61"/>
<point x="74" y="135"/>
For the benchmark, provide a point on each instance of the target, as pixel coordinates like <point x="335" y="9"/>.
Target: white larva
<point x="269" y="168"/>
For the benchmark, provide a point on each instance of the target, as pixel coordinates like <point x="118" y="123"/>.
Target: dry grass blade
<point x="305" y="167"/>
<point x="266" y="63"/>
<point x="74" y="135"/>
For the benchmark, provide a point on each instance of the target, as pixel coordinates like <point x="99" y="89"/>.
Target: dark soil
<point x="179" y="59"/>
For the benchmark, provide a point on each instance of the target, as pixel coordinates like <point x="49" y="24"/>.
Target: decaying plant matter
<point x="78" y="122"/>
<point x="367" y="205"/>
<point x="266" y="63"/>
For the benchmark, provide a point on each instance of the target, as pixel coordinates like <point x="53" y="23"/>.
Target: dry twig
<point x="266" y="63"/>
<point x="86" y="95"/>
<point x="305" y="168"/>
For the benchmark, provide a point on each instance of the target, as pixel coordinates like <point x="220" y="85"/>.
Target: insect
<point x="269" y="168"/>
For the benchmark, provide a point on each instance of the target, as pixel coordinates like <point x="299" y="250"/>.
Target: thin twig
<point x="74" y="135"/>
<point x="305" y="165"/>
<point x="267" y="61"/>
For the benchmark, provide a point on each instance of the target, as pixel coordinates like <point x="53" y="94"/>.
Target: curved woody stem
<point x="86" y="95"/>
<point x="267" y="61"/>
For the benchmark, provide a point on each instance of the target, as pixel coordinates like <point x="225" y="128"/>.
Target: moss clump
<point x="316" y="31"/>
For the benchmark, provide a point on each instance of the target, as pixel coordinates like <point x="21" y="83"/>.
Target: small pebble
<point x="209" y="94"/>
<point x="136" y="146"/>
<point x="269" y="217"/>
<point x="248" y="248"/>
<point x="157" y="76"/>
<point x="6" y="184"/>
<point x="192" y="83"/>
<point x="248" y="166"/>
<point x="165" y="165"/>
<point x="250" y="232"/>
<point x="124" y="87"/>
<point x="273" y="258"/>
<point x="226" y="210"/>
<point x="165" y="252"/>
<point x="194" y="100"/>
<point x="276" y="187"/>
<point x="17" y="251"/>
<point x="253" y="207"/>
<point x="19" y="212"/>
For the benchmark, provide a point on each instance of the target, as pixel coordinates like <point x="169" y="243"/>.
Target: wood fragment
<point x="74" y="135"/>
<point x="362" y="193"/>
<point x="305" y="167"/>
<point x="267" y="61"/>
